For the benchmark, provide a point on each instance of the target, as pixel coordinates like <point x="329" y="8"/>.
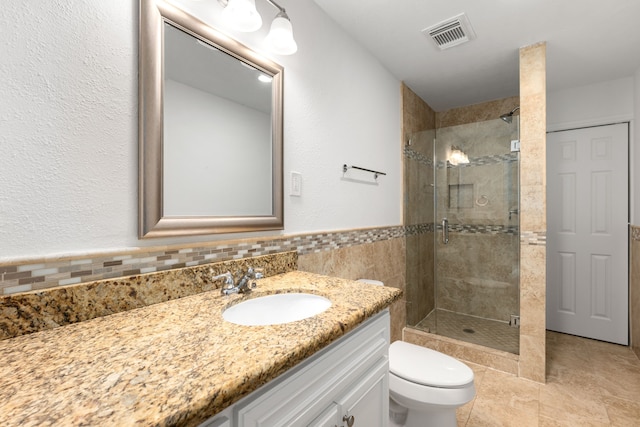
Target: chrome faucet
<point x="243" y="285"/>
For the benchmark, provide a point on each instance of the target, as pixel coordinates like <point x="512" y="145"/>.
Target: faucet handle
<point x="227" y="276"/>
<point x="254" y="273"/>
<point x="258" y="273"/>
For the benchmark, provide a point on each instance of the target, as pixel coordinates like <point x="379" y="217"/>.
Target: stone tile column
<point x="533" y="225"/>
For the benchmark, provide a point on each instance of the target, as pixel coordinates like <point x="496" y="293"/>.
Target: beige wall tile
<point x="533" y="69"/>
<point x="383" y="260"/>
<point x="417" y="115"/>
<point x="533" y="208"/>
<point x="490" y="110"/>
<point x="500" y="360"/>
<point x="532" y="358"/>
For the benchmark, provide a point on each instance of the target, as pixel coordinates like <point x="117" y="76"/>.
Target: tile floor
<point x="589" y="383"/>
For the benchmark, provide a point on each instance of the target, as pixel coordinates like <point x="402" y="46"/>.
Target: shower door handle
<point x="445" y="230"/>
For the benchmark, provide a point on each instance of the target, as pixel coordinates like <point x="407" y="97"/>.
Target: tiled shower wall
<point x="418" y="126"/>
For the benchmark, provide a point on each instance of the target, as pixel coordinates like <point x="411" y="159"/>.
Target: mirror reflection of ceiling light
<point x="457" y="156"/>
<point x="242" y="15"/>
<point x="264" y="78"/>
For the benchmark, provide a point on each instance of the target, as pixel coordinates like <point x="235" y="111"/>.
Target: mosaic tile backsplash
<point x="24" y="277"/>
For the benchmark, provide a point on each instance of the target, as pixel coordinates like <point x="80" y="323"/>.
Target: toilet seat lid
<point x="427" y="367"/>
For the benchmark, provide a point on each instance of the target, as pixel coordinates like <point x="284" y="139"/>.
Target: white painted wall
<point x="603" y="103"/>
<point x="68" y="127"/>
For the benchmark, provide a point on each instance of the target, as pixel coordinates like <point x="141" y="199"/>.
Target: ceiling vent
<point x="451" y="32"/>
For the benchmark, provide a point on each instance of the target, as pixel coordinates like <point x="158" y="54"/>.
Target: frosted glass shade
<point x="280" y="37"/>
<point x="242" y="15"/>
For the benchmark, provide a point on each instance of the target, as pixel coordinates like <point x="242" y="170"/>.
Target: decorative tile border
<point x="412" y="154"/>
<point x="482" y="229"/>
<point x="411" y="230"/>
<point x="483" y="161"/>
<point x="533" y="238"/>
<point x="474" y="161"/>
<point x="463" y="229"/>
<point x="29" y="276"/>
<point x="540" y="238"/>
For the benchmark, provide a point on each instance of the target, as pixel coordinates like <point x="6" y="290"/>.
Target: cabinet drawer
<point x="217" y="422"/>
<point x="307" y="391"/>
<point x="329" y="418"/>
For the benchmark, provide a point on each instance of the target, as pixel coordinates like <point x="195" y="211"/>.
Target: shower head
<point x="508" y="117"/>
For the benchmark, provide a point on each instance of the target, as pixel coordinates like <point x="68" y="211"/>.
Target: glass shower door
<point x="476" y="239"/>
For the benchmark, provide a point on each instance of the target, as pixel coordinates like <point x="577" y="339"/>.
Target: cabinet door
<point x="368" y="400"/>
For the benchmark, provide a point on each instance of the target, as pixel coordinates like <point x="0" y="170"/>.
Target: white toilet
<point x="425" y="386"/>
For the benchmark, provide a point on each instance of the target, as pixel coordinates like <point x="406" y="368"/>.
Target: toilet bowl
<point x="429" y="384"/>
<point x="425" y="386"/>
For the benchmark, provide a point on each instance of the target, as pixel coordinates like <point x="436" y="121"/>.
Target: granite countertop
<point x="172" y="363"/>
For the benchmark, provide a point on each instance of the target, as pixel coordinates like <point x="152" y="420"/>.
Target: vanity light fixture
<point x="242" y="15"/>
<point x="458" y="156"/>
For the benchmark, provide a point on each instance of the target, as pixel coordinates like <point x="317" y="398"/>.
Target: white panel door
<point x="587" y="232"/>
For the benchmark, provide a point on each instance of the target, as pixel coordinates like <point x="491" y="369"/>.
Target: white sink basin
<point x="276" y="309"/>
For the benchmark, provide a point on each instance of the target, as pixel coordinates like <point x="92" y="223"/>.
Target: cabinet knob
<point x="350" y="420"/>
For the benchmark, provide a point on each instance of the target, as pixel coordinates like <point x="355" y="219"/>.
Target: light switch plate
<point x="296" y="184"/>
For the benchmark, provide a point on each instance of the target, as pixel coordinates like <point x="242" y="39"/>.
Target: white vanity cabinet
<point x="220" y="420"/>
<point x="343" y="385"/>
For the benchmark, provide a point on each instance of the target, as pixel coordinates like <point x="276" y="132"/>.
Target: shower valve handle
<point x="445" y="231"/>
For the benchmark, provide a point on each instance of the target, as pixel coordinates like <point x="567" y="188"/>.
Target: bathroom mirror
<point x="210" y="130"/>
